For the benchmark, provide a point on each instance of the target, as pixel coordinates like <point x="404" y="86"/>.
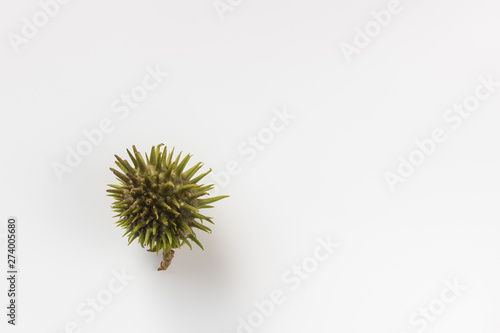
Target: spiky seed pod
<point x="158" y="202"/>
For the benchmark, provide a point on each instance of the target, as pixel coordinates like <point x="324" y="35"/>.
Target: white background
<point x="322" y="175"/>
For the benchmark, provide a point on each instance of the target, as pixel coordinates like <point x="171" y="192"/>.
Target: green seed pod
<point x="159" y="202"/>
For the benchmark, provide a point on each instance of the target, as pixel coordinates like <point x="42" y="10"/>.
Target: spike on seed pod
<point x="158" y="200"/>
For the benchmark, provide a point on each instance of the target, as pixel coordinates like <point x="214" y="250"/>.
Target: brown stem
<point x="167" y="260"/>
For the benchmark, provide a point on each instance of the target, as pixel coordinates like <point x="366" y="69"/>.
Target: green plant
<point x="159" y="203"/>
